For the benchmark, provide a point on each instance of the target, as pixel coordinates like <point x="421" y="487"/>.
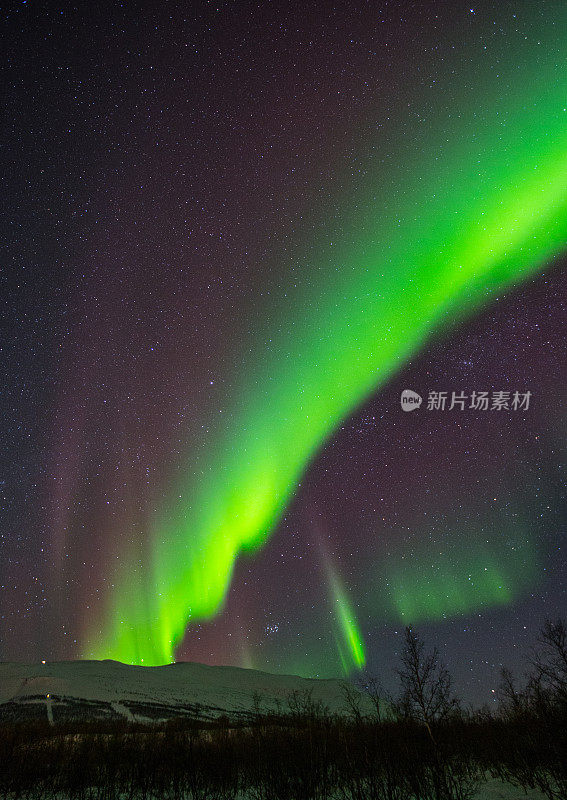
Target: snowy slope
<point x="67" y="690"/>
<point x="154" y="692"/>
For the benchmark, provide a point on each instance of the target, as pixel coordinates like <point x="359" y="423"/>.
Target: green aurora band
<point x="481" y="208"/>
<point x="348" y="638"/>
<point x="453" y="574"/>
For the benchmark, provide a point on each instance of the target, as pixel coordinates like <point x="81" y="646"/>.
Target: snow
<point x="222" y="689"/>
<point x="217" y="690"/>
<point x="497" y="790"/>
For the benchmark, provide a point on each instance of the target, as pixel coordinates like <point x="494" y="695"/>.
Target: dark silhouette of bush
<point x="419" y="745"/>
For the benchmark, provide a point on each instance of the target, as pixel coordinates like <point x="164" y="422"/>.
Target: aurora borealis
<point x="241" y="261"/>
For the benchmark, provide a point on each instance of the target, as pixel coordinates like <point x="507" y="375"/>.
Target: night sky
<point x="233" y="234"/>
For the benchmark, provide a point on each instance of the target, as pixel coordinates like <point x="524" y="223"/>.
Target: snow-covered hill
<point x="88" y="690"/>
<point x="95" y="689"/>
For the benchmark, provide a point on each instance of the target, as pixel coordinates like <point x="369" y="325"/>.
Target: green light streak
<point x="350" y="645"/>
<point x="427" y="250"/>
<point x="455" y="568"/>
<point x="434" y="586"/>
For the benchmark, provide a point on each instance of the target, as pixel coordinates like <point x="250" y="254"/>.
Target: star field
<point x="234" y="233"/>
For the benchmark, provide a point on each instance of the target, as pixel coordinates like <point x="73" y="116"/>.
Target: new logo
<point x="410" y="400"/>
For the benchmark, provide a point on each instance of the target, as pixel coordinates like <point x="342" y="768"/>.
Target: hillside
<point x="69" y="690"/>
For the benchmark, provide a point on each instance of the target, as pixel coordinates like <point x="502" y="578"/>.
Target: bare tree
<point x="426" y="690"/>
<point x="378" y="696"/>
<point x="549" y="663"/>
<point x="302" y="707"/>
<point x="353" y="700"/>
<point x="513" y="700"/>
